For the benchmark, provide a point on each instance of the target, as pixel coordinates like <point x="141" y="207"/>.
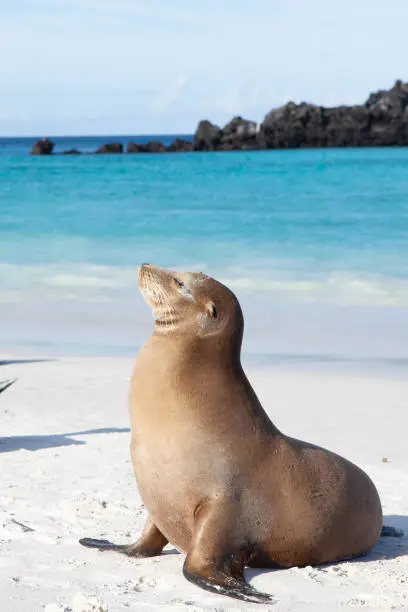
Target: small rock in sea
<point x="180" y="146"/>
<point x="384" y="460"/>
<point x="113" y="147"/>
<point x="207" y="136"/>
<point x="72" y="152"/>
<point x="154" y="147"/>
<point x="133" y="147"/>
<point x="149" y="147"/>
<point x="42" y="147"/>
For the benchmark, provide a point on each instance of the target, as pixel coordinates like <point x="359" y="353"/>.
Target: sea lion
<point x="219" y="480"/>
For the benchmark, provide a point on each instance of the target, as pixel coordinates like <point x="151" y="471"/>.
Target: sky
<point x="77" y="67"/>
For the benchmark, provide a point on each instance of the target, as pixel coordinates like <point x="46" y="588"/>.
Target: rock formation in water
<point x="180" y="146"/>
<point x="148" y="147"/>
<point x="240" y="133"/>
<point x="177" y="146"/>
<point x="207" y="136"/>
<point x="42" y="147"/>
<point x="113" y="147"/>
<point x="381" y="121"/>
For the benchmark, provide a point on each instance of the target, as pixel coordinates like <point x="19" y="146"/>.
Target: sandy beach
<point x="66" y="473"/>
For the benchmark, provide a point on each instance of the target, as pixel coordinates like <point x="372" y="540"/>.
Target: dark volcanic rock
<point x="293" y="126"/>
<point x="388" y="116"/>
<point x="345" y="126"/>
<point x="238" y="134"/>
<point x="241" y="134"/>
<point x="381" y="121"/>
<point x="42" y="147"/>
<point x="180" y="146"/>
<point x="133" y="147"/>
<point x="207" y="136"/>
<point x="148" y="147"/>
<point x="155" y="147"/>
<point x="72" y="152"/>
<point x="389" y="101"/>
<point x="239" y="128"/>
<point x="113" y="147"/>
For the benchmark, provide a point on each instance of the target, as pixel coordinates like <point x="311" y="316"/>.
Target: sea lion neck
<point x="185" y="349"/>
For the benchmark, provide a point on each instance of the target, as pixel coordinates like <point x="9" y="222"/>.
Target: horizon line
<point x="107" y="135"/>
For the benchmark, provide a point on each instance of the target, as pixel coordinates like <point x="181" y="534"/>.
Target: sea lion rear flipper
<point x="213" y="564"/>
<point x="150" y="543"/>
<point x="391" y="532"/>
<point x="101" y="544"/>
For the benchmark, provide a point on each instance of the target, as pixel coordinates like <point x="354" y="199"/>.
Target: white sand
<point x="66" y="473"/>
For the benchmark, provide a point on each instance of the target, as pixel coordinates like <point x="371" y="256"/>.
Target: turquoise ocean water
<point x="314" y="243"/>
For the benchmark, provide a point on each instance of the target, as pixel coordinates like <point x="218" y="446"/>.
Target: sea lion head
<point x="190" y="303"/>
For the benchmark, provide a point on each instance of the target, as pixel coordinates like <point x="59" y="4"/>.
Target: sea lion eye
<point x="178" y="282"/>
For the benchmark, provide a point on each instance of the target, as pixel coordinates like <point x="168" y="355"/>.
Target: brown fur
<point x="218" y="479"/>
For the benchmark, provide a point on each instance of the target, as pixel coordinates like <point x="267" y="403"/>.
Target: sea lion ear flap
<point x="209" y="320"/>
<point x="211" y="310"/>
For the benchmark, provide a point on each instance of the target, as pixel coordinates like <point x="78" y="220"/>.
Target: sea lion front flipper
<point x="216" y="561"/>
<point x="5" y="384"/>
<point x="150" y="543"/>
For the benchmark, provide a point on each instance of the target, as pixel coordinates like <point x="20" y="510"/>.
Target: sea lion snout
<point x="141" y="271"/>
<point x="154" y="280"/>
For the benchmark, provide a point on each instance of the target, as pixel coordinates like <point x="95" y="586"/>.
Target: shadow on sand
<point x="33" y="443"/>
<point x="386" y="548"/>
<point x="4" y="362"/>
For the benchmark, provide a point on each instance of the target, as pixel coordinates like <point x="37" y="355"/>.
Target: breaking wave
<point x="110" y="283"/>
